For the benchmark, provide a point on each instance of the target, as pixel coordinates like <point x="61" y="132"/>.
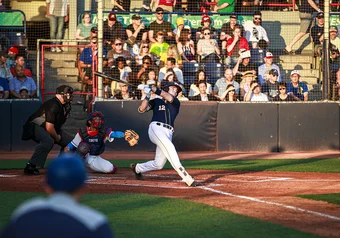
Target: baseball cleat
<point x="31" y="170"/>
<point x="139" y="176"/>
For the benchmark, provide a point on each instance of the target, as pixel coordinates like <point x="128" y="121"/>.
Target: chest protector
<point x="96" y="143"/>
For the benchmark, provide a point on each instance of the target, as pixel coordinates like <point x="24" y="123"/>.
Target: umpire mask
<point x="67" y="93"/>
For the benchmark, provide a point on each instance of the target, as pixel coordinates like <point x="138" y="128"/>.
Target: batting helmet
<point x="96" y="124"/>
<point x="166" y="87"/>
<point x="65" y="90"/>
<point x="67" y="173"/>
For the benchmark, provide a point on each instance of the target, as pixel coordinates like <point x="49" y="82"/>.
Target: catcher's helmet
<point x="66" y="173"/>
<point x="93" y="118"/>
<point x="166" y="87"/>
<point x="65" y="91"/>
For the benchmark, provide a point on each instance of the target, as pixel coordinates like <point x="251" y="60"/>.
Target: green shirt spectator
<point x="225" y="6"/>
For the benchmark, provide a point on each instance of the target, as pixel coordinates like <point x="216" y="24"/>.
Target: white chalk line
<point x="138" y="185"/>
<point x="270" y="203"/>
<point x="8" y="175"/>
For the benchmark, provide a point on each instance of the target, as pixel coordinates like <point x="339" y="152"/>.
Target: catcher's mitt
<point x="131" y="137"/>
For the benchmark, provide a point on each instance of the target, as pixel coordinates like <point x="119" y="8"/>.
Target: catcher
<point x="89" y="142"/>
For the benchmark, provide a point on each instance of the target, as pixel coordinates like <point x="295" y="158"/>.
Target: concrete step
<point x="67" y="71"/>
<point x="295" y="65"/>
<point x="60" y="56"/>
<point x="61" y="64"/>
<point x="51" y="86"/>
<point x="296" y="58"/>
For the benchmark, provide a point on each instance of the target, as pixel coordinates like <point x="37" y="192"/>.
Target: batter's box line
<point x="270" y="203"/>
<point x="138" y="185"/>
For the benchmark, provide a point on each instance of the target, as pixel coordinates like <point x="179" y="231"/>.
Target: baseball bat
<point x="99" y="74"/>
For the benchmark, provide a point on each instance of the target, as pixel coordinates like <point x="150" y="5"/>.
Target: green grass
<point x="288" y="165"/>
<point x="330" y="198"/>
<point x="141" y="215"/>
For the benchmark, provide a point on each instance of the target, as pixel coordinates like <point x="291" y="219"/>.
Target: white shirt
<point x="63" y="9"/>
<point x="261" y="97"/>
<point x="250" y="28"/>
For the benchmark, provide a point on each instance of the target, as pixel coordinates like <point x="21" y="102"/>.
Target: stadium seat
<point x="214" y="70"/>
<point x="190" y="68"/>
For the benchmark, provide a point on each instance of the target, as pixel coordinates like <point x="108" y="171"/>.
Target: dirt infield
<point x="269" y="196"/>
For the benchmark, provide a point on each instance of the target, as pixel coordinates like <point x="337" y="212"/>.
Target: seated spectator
<point x="170" y="64"/>
<point x="230" y="94"/>
<point x="4" y="88"/>
<point x="22" y="80"/>
<point x="87" y="60"/>
<point x="159" y="25"/>
<point x="207" y="48"/>
<point x="335" y="85"/>
<point x="203" y="94"/>
<point x="224" y="6"/>
<point x="12" y="53"/>
<point x="118" y="51"/>
<point x="334" y="40"/>
<point x="120" y="71"/>
<point x="173" y="53"/>
<point x="112" y="29"/>
<point x="227" y="32"/>
<point x="143" y="51"/>
<point x="266" y="67"/>
<point x="24" y="93"/>
<point x="107" y="92"/>
<point x="123" y="93"/>
<point x="222" y="83"/>
<point x="160" y="48"/>
<point x="243" y="65"/>
<point x="283" y="96"/>
<point x="120" y="5"/>
<point x="247" y="78"/>
<point x="206" y="24"/>
<point x="271" y="86"/>
<point x="84" y="29"/>
<point x="235" y="46"/>
<point x="179" y="28"/>
<point x="150" y="80"/>
<point x="147" y="62"/>
<point x="181" y="96"/>
<point x="168" y="6"/>
<point x="185" y="46"/>
<point x="254" y="31"/>
<point x="297" y="88"/>
<point x="20" y="60"/>
<point x="334" y="58"/>
<point x="4" y="71"/>
<point x="194" y="88"/>
<point x="316" y="34"/>
<point x="170" y="76"/>
<point x="254" y="94"/>
<point x="136" y="32"/>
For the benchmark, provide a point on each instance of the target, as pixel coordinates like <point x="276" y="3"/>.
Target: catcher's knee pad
<point x="114" y="169"/>
<point x="83" y="149"/>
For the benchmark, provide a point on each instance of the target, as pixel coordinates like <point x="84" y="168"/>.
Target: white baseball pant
<point x="98" y="164"/>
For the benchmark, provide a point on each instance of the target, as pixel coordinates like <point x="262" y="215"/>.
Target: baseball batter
<point x="89" y="143"/>
<point x="165" y="110"/>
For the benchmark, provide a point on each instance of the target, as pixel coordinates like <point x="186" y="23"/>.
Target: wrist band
<point x="158" y="91"/>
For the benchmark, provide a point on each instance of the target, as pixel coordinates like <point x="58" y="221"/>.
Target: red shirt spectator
<point x="19" y="60"/>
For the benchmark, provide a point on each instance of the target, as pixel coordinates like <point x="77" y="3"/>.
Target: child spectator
<point x="24" y="93"/>
<point x="297" y="88"/>
<point x="160" y="48"/>
<point x="271" y="86"/>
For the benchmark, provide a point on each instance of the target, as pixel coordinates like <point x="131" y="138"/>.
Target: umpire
<point x="44" y="127"/>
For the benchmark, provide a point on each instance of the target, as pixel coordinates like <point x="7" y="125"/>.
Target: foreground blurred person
<point x="59" y="215"/>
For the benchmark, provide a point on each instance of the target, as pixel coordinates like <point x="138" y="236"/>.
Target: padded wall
<point x="5" y="125"/>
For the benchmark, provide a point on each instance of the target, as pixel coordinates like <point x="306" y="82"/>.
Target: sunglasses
<point x="118" y="44"/>
<point x="160" y="13"/>
<point x="282" y="88"/>
<point x="232" y="91"/>
<point x="206" y="34"/>
<point x="145" y="46"/>
<point x="146" y="63"/>
<point x="258" y="18"/>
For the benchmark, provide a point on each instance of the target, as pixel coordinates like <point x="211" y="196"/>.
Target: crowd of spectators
<point x="137" y="52"/>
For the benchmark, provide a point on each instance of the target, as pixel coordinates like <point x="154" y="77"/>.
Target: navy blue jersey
<point x="164" y="111"/>
<point x="97" y="142"/>
<point x="55" y="217"/>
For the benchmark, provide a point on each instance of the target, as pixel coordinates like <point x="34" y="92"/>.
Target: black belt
<point x="165" y="126"/>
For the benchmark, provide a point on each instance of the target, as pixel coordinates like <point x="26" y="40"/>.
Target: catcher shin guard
<point x="83" y="149"/>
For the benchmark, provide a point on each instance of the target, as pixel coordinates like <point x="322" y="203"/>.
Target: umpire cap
<point x="66" y="173"/>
